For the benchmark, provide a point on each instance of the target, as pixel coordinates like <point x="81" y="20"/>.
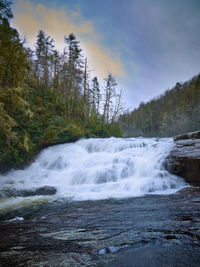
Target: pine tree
<point x="44" y="54"/>
<point x="96" y="96"/>
<point x="74" y="74"/>
<point x="56" y="69"/>
<point x="86" y="99"/>
<point x="110" y="92"/>
<point x="5" y="11"/>
<point x="45" y="96"/>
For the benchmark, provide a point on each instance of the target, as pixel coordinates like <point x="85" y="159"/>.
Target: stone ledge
<point x="184" y="159"/>
<point x="190" y="135"/>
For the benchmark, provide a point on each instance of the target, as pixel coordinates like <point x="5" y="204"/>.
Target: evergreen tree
<point x="5" y="11"/>
<point x="96" y="96"/>
<point x="110" y="92"/>
<point x="74" y="74"/>
<point x="86" y="98"/>
<point x="45" y="96"/>
<point x="44" y="54"/>
<point x="13" y="71"/>
<point x="175" y="112"/>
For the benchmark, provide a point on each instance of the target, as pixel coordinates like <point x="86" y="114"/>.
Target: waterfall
<point x="92" y="169"/>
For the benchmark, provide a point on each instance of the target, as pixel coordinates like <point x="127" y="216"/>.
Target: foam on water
<point x="99" y="169"/>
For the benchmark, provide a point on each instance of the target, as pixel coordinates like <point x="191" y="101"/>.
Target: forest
<point x="47" y="96"/>
<point x="174" y="112"/>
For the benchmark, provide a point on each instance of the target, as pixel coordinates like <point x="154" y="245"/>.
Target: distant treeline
<point x="174" y="112"/>
<point x="47" y="96"/>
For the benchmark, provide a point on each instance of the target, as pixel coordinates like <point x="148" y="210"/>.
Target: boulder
<point x="41" y="191"/>
<point x="195" y="135"/>
<point x="184" y="159"/>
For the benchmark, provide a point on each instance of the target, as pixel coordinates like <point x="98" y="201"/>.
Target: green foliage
<point x="6" y="124"/>
<point x="70" y="132"/>
<point x="45" y="96"/>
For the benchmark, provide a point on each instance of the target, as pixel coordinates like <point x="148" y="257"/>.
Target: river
<point x="99" y="202"/>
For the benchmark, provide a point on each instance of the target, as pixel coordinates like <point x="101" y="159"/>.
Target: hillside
<point x="47" y="96"/>
<point x="175" y="112"/>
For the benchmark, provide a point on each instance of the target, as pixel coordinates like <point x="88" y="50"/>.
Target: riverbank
<point x="71" y="135"/>
<point x="6" y="167"/>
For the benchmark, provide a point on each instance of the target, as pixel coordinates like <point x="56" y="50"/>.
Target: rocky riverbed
<point x="154" y="230"/>
<point x="100" y="202"/>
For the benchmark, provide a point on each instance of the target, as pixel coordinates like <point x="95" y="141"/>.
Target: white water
<point x="98" y="169"/>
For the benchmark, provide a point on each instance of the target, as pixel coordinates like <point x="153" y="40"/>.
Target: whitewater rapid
<point x="93" y="169"/>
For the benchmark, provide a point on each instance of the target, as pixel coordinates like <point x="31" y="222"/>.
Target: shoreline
<point x="6" y="167"/>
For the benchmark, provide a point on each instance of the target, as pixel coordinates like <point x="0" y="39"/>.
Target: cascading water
<point x="93" y="169"/>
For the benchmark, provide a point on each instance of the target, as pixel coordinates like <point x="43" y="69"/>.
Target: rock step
<point x="195" y="135"/>
<point x="41" y="191"/>
<point x="184" y="159"/>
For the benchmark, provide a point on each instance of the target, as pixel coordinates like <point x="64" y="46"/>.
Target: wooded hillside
<point x="47" y="96"/>
<point x="174" y="112"/>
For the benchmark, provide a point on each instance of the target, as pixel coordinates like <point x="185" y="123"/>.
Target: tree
<point x="96" y="96"/>
<point x="56" y="69"/>
<point x="110" y="92"/>
<point x="5" y="11"/>
<point x="74" y="73"/>
<point x="14" y="68"/>
<point x="117" y="109"/>
<point x="173" y="113"/>
<point x="44" y="53"/>
<point x="47" y="97"/>
<point x="86" y="93"/>
<point x="14" y="65"/>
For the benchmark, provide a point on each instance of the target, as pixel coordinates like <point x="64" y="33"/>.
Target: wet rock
<point x="190" y="191"/>
<point x="195" y="135"/>
<point x="169" y="237"/>
<point x="4" y="167"/>
<point x="41" y="191"/>
<point x="111" y="249"/>
<point x="155" y="230"/>
<point x="184" y="159"/>
<point x="45" y="190"/>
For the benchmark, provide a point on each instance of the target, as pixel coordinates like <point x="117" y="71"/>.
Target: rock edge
<point x="184" y="159"/>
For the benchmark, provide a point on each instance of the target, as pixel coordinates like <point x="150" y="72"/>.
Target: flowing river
<point x="99" y="202"/>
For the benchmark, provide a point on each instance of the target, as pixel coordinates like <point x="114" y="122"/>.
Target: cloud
<point x="103" y="60"/>
<point x="58" y="22"/>
<point x="31" y="17"/>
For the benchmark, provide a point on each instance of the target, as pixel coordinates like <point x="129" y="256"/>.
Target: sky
<point x="148" y="45"/>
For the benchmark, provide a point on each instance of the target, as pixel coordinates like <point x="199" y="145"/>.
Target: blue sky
<point x="148" y="45"/>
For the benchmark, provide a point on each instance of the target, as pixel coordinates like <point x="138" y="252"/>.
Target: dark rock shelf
<point x="194" y="135"/>
<point x="41" y="191"/>
<point x="184" y="159"/>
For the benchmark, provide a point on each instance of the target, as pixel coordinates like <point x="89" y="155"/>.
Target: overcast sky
<point x="148" y="45"/>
